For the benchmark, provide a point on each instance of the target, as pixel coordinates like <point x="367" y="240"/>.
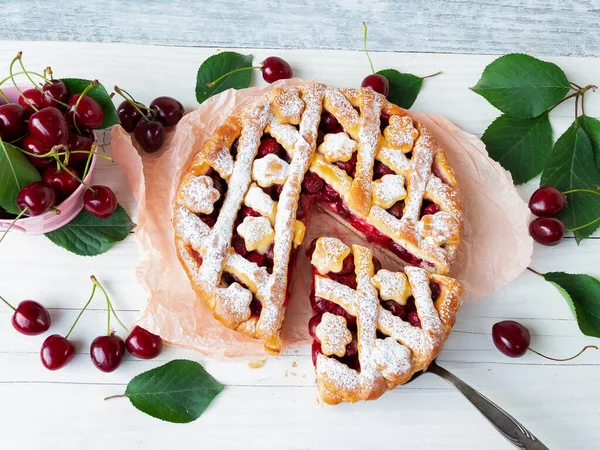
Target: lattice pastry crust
<point x="226" y="175"/>
<point x="390" y="350"/>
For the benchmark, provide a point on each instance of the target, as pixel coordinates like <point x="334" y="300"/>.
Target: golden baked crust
<point x="292" y="115"/>
<point x="384" y="363"/>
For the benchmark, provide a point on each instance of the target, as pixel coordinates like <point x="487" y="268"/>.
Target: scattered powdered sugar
<point x="269" y="170"/>
<point x="393" y="359"/>
<point x="334" y="335"/>
<point x="329" y="255"/>
<point x="439" y="228"/>
<point x="198" y="194"/>
<point x="401" y="133"/>
<point x="392" y="286"/>
<point x="190" y="227"/>
<point x="337" y="147"/>
<point x="257" y="233"/>
<point x="233" y="305"/>
<point x="388" y="190"/>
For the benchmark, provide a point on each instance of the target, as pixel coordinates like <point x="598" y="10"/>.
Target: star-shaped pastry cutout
<point x="388" y="190"/>
<point x="234" y="304"/>
<point x="269" y="170"/>
<point x="257" y="233"/>
<point x="392" y="286"/>
<point x="393" y="359"/>
<point x="334" y="335"/>
<point x="288" y="107"/>
<point x="260" y="201"/>
<point x="198" y="194"/>
<point x="337" y="147"/>
<point x="329" y="255"/>
<point x="401" y="133"/>
<point x="439" y="228"/>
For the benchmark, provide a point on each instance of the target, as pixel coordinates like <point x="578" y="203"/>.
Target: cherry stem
<point x="565" y="99"/>
<point x="581" y="227"/>
<point x="109" y="304"/>
<point x="48" y="71"/>
<point x="115" y="396"/>
<point x="92" y="84"/>
<point x="4" y="97"/>
<point x="563" y="359"/>
<point x="575" y="85"/>
<point x="81" y="312"/>
<point x="365" y="46"/>
<point x="239" y="69"/>
<point x="9" y="77"/>
<point x="12" y="77"/>
<point x="64" y="167"/>
<point x="21" y="214"/>
<point x="576" y="106"/>
<point x="588" y="191"/>
<point x="432" y="75"/>
<point x="129" y="98"/>
<point x="535" y="271"/>
<point x="8" y="304"/>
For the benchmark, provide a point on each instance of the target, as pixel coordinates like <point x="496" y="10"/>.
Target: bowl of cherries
<point x="46" y="128"/>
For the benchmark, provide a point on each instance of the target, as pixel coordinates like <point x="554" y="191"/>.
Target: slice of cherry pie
<point x="373" y="329"/>
<point x="243" y="204"/>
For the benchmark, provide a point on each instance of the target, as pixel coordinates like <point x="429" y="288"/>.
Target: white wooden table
<point x="274" y="407"/>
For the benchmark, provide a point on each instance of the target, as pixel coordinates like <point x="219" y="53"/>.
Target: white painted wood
<point x="568" y="27"/>
<point x="274" y="407"/>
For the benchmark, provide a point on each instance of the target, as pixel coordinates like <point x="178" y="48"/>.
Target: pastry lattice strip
<point x="384" y="363"/>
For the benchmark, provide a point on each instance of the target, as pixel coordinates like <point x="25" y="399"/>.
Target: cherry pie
<point x="243" y="204"/>
<point x="373" y="328"/>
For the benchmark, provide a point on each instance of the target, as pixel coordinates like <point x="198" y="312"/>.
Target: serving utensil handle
<point x="508" y="426"/>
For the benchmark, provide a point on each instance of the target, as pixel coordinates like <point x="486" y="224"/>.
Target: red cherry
<point x="56" y="90"/>
<point x="32" y="145"/>
<point x="378" y="83"/>
<point x="268" y="146"/>
<point x="274" y="68"/>
<point x="239" y="245"/>
<point x="100" y="201"/>
<point x="312" y="325"/>
<point x="143" y="344"/>
<point x="49" y="127"/>
<point x="547" y="201"/>
<point x="87" y="114"/>
<point x="395" y="308"/>
<point x="397" y="209"/>
<point x="312" y="183"/>
<point x="13" y="121"/>
<point x="79" y="142"/>
<point x="56" y="352"/>
<point x="347" y="265"/>
<point x="63" y="183"/>
<point x="38" y="197"/>
<point x="376" y="265"/>
<point x="329" y="123"/>
<point x="430" y="209"/>
<point x="380" y="169"/>
<point x="129" y="115"/>
<point x="150" y="135"/>
<point x="107" y="352"/>
<point x="348" y="166"/>
<point x="257" y="258"/>
<point x="168" y="110"/>
<point x="247" y="211"/>
<point x="547" y="230"/>
<point x="33" y="100"/>
<point x="413" y="319"/>
<point x="31" y="318"/>
<point x="328" y="194"/>
<point x="316" y="350"/>
<point x="304" y="207"/>
<point x="511" y="338"/>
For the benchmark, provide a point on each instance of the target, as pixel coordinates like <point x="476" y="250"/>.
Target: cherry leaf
<point x="522" y="86"/>
<point x="218" y="65"/>
<point x="571" y="166"/>
<point x="582" y="294"/>
<point x="178" y="391"/>
<point x="98" y="93"/>
<point x="404" y="87"/>
<point x="15" y="172"/>
<point x="521" y="146"/>
<point x="591" y="127"/>
<point x="88" y="235"/>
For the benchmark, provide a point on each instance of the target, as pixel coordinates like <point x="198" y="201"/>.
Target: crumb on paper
<point x="285" y="374"/>
<point x="256" y="364"/>
<point x="294" y="364"/>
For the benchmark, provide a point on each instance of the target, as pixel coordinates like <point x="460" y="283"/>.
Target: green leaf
<point x="591" y="127"/>
<point x="15" y="172"/>
<point x="218" y="65"/>
<point x="571" y="166"/>
<point x="582" y="293"/>
<point x="522" y="86"/>
<point x="521" y="146"/>
<point x="178" y="392"/>
<point x="404" y="87"/>
<point x="98" y="93"/>
<point x="88" y="235"/>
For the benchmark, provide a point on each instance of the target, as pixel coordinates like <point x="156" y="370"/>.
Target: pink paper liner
<point x="496" y="246"/>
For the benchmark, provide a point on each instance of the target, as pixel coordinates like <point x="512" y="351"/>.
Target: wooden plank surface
<point x="274" y="407"/>
<point x="567" y="27"/>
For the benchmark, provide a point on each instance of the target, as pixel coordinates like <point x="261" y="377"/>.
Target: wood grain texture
<point x="274" y="407"/>
<point x="555" y="27"/>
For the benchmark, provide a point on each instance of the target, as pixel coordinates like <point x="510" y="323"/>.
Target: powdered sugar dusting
<point x="337" y="147"/>
<point x="270" y="170"/>
<point x="334" y="335"/>
<point x="198" y="194"/>
<point x="260" y="201"/>
<point x="388" y="190"/>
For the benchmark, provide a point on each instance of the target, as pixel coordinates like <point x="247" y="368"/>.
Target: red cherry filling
<point x="304" y="207"/>
<point x="269" y="145"/>
<point x="312" y="183"/>
<point x="380" y="169"/>
<point x="348" y="166"/>
<point x="429" y="208"/>
<point x="413" y="319"/>
<point x="397" y="209"/>
<point x="395" y="308"/>
<point x="348" y="265"/>
<point x="329" y="124"/>
<point x="312" y="325"/>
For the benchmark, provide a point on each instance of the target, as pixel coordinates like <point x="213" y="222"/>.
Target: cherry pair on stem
<point x="106" y="351"/>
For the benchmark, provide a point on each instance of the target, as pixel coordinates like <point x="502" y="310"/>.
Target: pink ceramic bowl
<point x="69" y="208"/>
